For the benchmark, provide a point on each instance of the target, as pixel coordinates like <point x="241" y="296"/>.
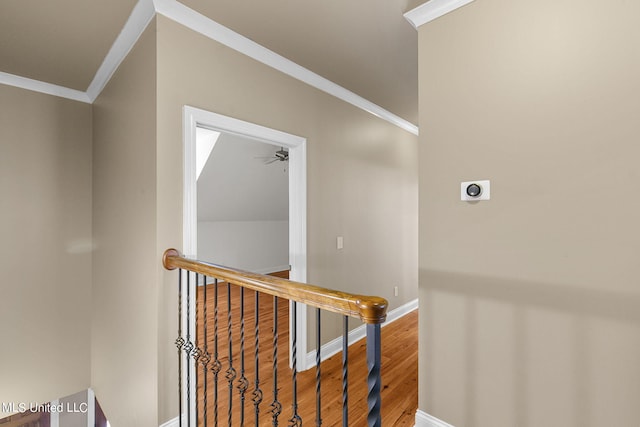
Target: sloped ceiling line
<point x="141" y="16"/>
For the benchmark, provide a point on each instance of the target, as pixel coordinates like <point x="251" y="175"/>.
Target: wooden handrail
<point x="369" y="309"/>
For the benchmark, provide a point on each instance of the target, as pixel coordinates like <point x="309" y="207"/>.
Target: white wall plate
<point x="467" y="193"/>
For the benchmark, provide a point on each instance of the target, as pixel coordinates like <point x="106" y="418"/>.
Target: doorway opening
<point x="295" y="146"/>
<point x="243" y="202"/>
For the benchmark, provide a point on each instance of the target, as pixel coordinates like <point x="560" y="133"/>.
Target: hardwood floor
<point x="399" y="368"/>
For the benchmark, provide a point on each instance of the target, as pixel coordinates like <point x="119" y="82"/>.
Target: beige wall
<point x="45" y="260"/>
<point x="362" y="171"/>
<point x="110" y="326"/>
<point x="125" y="282"/>
<point x="530" y="303"/>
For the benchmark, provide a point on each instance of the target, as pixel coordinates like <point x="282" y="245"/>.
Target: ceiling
<point x="366" y="46"/>
<point x="237" y="184"/>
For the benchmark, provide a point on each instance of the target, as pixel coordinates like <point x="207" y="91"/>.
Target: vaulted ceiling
<point x="366" y="46"/>
<point x="256" y="188"/>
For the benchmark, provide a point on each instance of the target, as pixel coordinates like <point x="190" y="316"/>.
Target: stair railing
<point x="203" y="352"/>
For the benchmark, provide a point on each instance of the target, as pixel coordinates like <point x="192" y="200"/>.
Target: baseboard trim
<point x="335" y="346"/>
<point x="425" y="420"/>
<point x="172" y="423"/>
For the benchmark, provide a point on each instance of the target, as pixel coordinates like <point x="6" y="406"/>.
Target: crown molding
<point x="431" y="10"/>
<point x="43" y="87"/>
<point x="142" y="14"/>
<point x="207" y="27"/>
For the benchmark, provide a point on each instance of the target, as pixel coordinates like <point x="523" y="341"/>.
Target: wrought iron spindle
<point x="318" y="370"/>
<point x="345" y="373"/>
<point x="257" y="392"/>
<point x="179" y="344"/>
<point x="243" y="383"/>
<point x="217" y="366"/>
<point x="206" y="357"/>
<point x="194" y="342"/>
<point x="196" y="353"/>
<point x="276" y="406"/>
<point x="231" y="372"/>
<point x="374" y="379"/>
<point x="295" y="420"/>
<point x="188" y="347"/>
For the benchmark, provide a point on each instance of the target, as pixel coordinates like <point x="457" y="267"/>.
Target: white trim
<point x="211" y="29"/>
<point x="142" y="14"/>
<point x="91" y="408"/>
<point x="171" y="423"/>
<point x="43" y="87"/>
<point x="208" y="119"/>
<point x="431" y="10"/>
<point x="335" y="346"/>
<point x="298" y="242"/>
<point x="425" y="420"/>
<point x="190" y="195"/>
<point x="54" y="416"/>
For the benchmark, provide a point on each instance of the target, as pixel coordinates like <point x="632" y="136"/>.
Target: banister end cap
<point x="165" y="258"/>
<point x="373" y="309"/>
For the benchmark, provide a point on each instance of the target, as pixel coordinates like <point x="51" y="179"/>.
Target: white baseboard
<point x="425" y="420"/>
<point x="335" y="346"/>
<point x="172" y="423"/>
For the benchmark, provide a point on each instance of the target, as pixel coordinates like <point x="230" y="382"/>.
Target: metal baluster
<point x="345" y="373"/>
<point x="295" y="420"/>
<point x="243" y="383"/>
<point x="231" y="372"/>
<point x="196" y="352"/>
<point x="217" y="366"/>
<point x="276" y="406"/>
<point x="206" y="358"/>
<point x="318" y="371"/>
<point x="179" y="344"/>
<point x="257" y="392"/>
<point x="187" y="349"/>
<point x="374" y="379"/>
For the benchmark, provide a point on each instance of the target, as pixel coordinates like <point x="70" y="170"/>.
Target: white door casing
<point x="193" y="118"/>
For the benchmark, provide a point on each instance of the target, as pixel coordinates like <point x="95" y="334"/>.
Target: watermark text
<point x="64" y="407"/>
